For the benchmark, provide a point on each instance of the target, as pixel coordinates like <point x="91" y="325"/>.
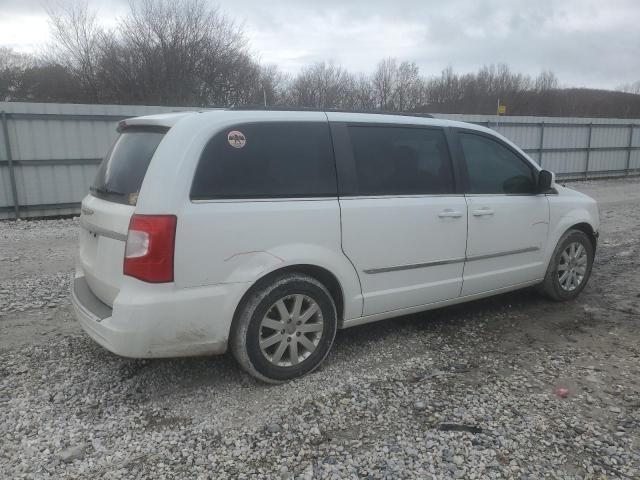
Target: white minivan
<point x="267" y="231"/>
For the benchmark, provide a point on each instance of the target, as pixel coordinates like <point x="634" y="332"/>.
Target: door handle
<point x="449" y="213"/>
<point x="482" y="212"/>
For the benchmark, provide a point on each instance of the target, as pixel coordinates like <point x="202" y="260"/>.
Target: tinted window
<point x="264" y="160"/>
<point x="120" y="174"/>
<point x="494" y="168"/>
<point x="401" y="161"/>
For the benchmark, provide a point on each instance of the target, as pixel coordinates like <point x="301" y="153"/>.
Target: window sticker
<point x="236" y="139"/>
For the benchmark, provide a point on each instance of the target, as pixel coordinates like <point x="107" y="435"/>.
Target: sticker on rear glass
<point x="236" y="139"/>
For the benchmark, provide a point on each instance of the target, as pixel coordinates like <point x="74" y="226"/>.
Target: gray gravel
<point x="37" y="263"/>
<point x="33" y="292"/>
<point x="464" y="392"/>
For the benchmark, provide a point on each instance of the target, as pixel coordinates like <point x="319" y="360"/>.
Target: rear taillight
<point x="150" y="246"/>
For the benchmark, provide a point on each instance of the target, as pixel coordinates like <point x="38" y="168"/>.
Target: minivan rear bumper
<point x="148" y="324"/>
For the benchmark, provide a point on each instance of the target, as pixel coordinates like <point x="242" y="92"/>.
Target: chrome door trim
<point x="396" y="268"/>
<point x="413" y="266"/>
<point x="501" y="254"/>
<point x="103" y="232"/>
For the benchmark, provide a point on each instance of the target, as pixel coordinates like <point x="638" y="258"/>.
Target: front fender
<point x="565" y="221"/>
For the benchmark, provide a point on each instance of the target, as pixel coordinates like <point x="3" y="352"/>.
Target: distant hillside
<point x="561" y="102"/>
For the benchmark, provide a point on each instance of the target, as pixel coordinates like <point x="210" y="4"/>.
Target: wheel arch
<point x="563" y="219"/>
<point x="588" y="230"/>
<point x="550" y="286"/>
<point x="321" y="274"/>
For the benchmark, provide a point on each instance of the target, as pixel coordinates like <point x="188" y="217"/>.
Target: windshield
<point x="120" y="174"/>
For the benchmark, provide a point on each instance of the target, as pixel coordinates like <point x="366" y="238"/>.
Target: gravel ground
<point x="472" y="391"/>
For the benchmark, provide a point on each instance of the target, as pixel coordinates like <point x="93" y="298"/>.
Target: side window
<point x="401" y="160"/>
<point x="493" y="168"/>
<point x="265" y="160"/>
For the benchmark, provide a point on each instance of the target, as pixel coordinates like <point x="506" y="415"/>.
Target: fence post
<point x="586" y="168"/>
<point x="541" y="142"/>
<point x="12" y="175"/>
<point x="629" y="146"/>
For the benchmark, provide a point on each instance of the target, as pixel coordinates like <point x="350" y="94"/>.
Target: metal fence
<point x="49" y="152"/>
<point x="573" y="148"/>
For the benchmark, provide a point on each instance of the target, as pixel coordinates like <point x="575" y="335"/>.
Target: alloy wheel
<point x="572" y="266"/>
<point x="291" y="330"/>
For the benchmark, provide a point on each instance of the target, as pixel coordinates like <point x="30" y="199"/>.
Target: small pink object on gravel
<point x="562" y="392"/>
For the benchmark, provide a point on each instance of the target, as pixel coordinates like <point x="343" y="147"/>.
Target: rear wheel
<point x="569" y="268"/>
<point x="284" y="329"/>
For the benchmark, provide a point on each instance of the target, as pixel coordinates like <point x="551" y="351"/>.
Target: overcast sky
<point x="593" y="43"/>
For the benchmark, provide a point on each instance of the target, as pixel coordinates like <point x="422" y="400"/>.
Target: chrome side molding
<point x="473" y="258"/>
<point x="413" y="266"/>
<point x="502" y="254"/>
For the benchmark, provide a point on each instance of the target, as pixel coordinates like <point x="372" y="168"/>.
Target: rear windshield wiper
<point x="106" y="191"/>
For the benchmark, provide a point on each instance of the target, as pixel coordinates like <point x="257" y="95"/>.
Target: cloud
<point x="585" y="42"/>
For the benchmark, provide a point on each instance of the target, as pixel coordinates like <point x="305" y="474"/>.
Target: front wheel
<point x="284" y="329"/>
<point x="569" y="268"/>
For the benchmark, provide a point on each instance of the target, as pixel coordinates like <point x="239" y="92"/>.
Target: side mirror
<point x="545" y="180"/>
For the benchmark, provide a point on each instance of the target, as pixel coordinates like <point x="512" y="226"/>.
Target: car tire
<point x="569" y="268"/>
<point x="284" y="328"/>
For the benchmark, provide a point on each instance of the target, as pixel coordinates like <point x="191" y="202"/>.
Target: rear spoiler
<point x="163" y="120"/>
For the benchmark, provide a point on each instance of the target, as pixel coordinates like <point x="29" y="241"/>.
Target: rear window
<point x="120" y="174"/>
<point x="267" y="160"/>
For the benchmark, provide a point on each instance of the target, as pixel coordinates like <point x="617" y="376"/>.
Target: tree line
<point x="186" y="53"/>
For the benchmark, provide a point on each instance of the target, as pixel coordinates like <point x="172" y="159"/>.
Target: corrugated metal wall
<point x="54" y="151"/>
<point x="571" y="147"/>
<point x="50" y="152"/>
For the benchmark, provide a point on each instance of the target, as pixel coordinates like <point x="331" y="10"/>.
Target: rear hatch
<point x="107" y="210"/>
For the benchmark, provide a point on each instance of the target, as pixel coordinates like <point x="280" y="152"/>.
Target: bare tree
<point x="407" y="94"/>
<point x="12" y="68"/>
<point x="272" y="86"/>
<point x="358" y="93"/>
<point x="76" y="35"/>
<point x="185" y="52"/>
<point x="633" y="87"/>
<point x="12" y="60"/>
<point x="365" y="94"/>
<point x="49" y="83"/>
<point x="320" y="85"/>
<point x="384" y="83"/>
<point x="545" y="81"/>
<point x="444" y="89"/>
